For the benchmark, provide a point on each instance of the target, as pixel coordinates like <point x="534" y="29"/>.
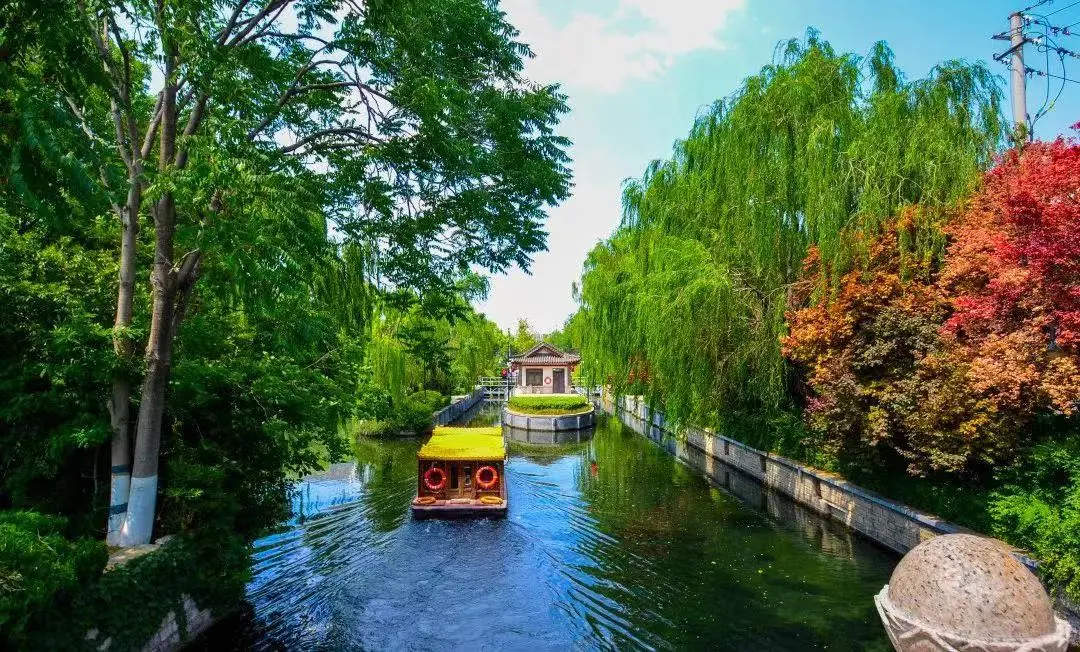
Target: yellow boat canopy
<point x="449" y="443"/>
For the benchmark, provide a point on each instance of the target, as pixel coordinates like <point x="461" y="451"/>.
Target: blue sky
<point x="637" y="71"/>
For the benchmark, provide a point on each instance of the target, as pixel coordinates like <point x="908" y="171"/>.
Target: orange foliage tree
<point x="861" y="346"/>
<point x="947" y="368"/>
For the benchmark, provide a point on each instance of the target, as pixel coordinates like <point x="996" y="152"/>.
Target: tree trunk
<point x="120" y="403"/>
<point x="139" y="523"/>
<point x="142" y="499"/>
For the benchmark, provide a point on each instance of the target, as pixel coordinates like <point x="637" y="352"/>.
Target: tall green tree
<point x="525" y="337"/>
<point x="406" y="125"/>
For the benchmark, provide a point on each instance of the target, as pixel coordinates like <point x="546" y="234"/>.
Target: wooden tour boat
<point x="461" y="472"/>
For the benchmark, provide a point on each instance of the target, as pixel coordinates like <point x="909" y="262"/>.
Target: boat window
<point x="534" y="377"/>
<point x="468" y="476"/>
<point x="453" y="476"/>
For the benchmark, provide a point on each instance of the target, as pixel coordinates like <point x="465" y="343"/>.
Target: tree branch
<point x="251" y="23"/>
<point x="229" y="26"/>
<point x="264" y="31"/>
<point x="289" y="92"/>
<point x="151" y="130"/>
<point x="125" y="89"/>
<point x="187" y="272"/>
<point x="194" y="119"/>
<point x="336" y="131"/>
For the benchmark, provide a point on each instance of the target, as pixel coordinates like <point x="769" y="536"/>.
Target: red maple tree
<point x="1014" y="270"/>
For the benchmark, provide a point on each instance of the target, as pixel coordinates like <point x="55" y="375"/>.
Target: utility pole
<point x="1019" y="73"/>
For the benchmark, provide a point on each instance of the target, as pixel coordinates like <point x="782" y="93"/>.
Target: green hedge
<point x="546" y="404"/>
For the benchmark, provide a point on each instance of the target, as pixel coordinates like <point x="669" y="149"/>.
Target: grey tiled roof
<point x="566" y="358"/>
<point x="555" y="357"/>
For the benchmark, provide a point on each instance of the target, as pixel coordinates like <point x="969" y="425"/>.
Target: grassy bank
<point x="410" y="416"/>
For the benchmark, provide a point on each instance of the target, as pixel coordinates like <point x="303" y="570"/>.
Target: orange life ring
<point x="491" y="482"/>
<point x="429" y="478"/>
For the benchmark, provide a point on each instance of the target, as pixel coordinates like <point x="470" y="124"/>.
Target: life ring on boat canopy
<point x="486" y="477"/>
<point x="434" y="478"/>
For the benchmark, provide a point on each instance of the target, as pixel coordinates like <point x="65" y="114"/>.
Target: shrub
<point x="1040" y="511"/>
<point x="368" y="428"/>
<point x="430" y="398"/>
<point x="414" y="414"/>
<point x="949" y="369"/>
<point x="863" y="350"/>
<point x="127" y="604"/>
<point x="411" y="414"/>
<point x="40" y="572"/>
<point x="545" y="404"/>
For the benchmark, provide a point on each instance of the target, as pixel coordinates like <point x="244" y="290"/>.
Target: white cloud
<point x="602" y="52"/>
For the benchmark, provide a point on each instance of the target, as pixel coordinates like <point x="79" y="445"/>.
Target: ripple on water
<point x="612" y="544"/>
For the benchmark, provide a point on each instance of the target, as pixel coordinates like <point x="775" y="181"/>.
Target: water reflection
<point x="612" y="544"/>
<point x="548" y="437"/>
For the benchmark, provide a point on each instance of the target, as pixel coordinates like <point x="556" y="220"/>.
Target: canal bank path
<point x="609" y="544"/>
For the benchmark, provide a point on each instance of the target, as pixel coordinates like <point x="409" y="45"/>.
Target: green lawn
<point x="549" y="404"/>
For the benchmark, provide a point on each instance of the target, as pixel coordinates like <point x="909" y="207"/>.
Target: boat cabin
<point x="544" y="369"/>
<point x="461" y="472"/>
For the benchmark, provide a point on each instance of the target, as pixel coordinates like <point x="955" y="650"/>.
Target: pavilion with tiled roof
<point x="543" y="369"/>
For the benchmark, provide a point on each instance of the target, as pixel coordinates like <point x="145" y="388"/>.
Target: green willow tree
<point x="687" y="299"/>
<point x="405" y="124"/>
<point x="477" y="348"/>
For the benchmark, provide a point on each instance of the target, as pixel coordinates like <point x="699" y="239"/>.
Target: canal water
<point x="609" y="543"/>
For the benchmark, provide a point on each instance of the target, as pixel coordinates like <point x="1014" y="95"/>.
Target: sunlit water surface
<point x="609" y="543"/>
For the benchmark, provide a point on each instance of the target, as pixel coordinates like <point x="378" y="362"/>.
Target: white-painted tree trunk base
<point x="119" y="488"/>
<point x="139" y="522"/>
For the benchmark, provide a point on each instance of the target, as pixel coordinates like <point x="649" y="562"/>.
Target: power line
<point x="1063" y="8"/>
<point x="1049" y="44"/>
<point x="1039" y="19"/>
<point x="1045" y="44"/>
<point x="1040" y="73"/>
<point x="1047" y="102"/>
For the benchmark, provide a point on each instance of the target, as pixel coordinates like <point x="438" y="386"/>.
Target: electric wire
<point x="1045" y="44"/>
<point x="1063" y="8"/>
<point x="1040" y="73"/>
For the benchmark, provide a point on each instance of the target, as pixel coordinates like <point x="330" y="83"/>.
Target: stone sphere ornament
<point x="967" y="592"/>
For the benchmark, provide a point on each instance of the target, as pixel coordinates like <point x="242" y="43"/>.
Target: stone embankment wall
<point x="452" y="412"/>
<point x="172" y="636"/>
<point x="891" y="524"/>
<point x="174" y="632"/>
<point x="728" y="463"/>
<point x="548" y="423"/>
